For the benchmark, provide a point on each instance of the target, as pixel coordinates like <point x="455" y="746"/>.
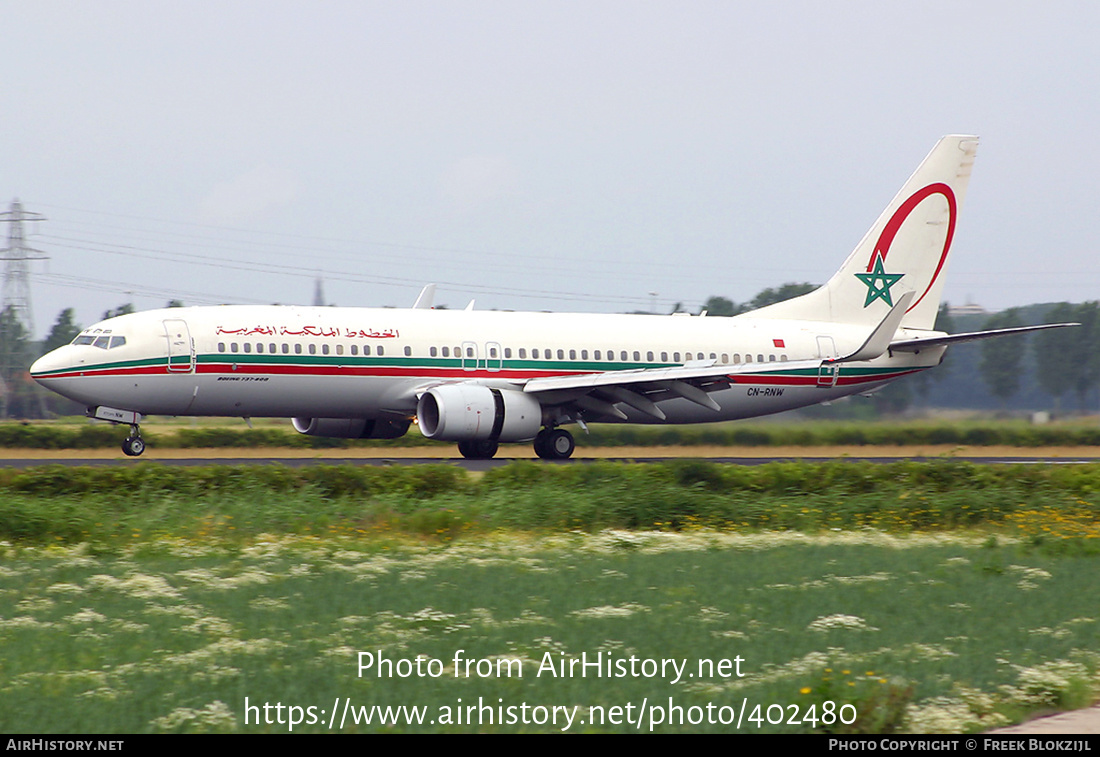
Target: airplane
<point x="480" y="378"/>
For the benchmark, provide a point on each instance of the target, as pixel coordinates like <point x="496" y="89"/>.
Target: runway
<point x="379" y="459"/>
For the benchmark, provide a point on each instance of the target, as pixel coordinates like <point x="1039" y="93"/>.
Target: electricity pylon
<point x="17" y="298"/>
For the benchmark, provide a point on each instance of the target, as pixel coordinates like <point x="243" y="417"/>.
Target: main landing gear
<point x="550" y="444"/>
<point x="554" y="444"/>
<point x="134" y="444"/>
<point x="477" y="449"/>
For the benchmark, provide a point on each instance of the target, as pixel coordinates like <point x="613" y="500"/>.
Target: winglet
<point x="426" y="300"/>
<point x="879" y="340"/>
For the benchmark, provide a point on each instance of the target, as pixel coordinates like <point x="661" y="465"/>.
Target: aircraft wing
<point x="642" y="389"/>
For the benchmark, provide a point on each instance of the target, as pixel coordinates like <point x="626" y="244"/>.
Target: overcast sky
<point x="536" y="155"/>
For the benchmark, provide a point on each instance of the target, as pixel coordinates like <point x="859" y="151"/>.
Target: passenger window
<point x="507" y="352"/>
<point x="271" y="348"/>
<point x="355" y="349"/>
<point x="649" y="356"/>
<point x="380" y="351"/>
<point x="664" y="357"/>
<point x="324" y="349"/>
<point x="408" y="351"/>
<point x="260" y="347"/>
<point x="610" y="355"/>
<point x="771" y="358"/>
<point x="339" y="349"/>
<point x="584" y="354"/>
<point x="313" y="349"/>
<point x="297" y="349"/>
<point x="366" y="349"/>
<point x="233" y="347"/>
<point x="760" y="358"/>
<point x="535" y="352"/>
<point x="782" y="358"/>
<point x="286" y="348"/>
<point x="676" y="357"/>
<point x="736" y="358"/>
<point x="596" y="354"/>
<point x="446" y="352"/>
<point x="637" y="356"/>
<point x="748" y="358"/>
<point x="469" y="352"/>
<point x="725" y="358"/>
<point x="492" y="352"/>
<point x="432" y="351"/>
<point x="622" y="355"/>
<point x="247" y="347"/>
<point x="221" y="346"/>
<point x="522" y="352"/>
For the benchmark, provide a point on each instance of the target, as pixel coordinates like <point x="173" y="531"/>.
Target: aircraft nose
<point x="43" y="367"/>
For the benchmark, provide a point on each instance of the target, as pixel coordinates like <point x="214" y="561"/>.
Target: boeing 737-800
<point x="480" y="378"/>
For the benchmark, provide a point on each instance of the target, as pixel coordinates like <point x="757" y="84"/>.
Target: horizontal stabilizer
<point x="916" y="345"/>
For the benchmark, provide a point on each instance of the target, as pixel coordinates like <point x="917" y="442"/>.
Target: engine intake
<point x="468" y="412"/>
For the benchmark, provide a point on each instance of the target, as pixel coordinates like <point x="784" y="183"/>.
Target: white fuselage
<point x="366" y="362"/>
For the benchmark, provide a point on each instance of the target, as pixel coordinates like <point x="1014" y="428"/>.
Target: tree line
<point x="20" y="396"/>
<point x="1065" y="362"/>
<point x="1054" y="370"/>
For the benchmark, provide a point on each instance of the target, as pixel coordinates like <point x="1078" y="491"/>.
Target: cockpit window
<point x="103" y="342"/>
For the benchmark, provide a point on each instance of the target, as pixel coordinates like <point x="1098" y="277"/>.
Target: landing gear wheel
<point x="133" y="446"/>
<point x="554" y="444"/>
<point x="477" y="449"/>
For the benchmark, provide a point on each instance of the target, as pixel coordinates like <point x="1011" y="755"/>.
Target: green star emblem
<point x="878" y="283"/>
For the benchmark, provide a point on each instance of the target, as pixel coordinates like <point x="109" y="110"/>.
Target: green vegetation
<point x="104" y="504"/>
<point x="858" y="597"/>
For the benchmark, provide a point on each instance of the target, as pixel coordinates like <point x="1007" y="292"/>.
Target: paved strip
<point x="1079" y="721"/>
<point x="483" y="465"/>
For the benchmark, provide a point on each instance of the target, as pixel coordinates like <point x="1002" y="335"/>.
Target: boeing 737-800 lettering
<point x="480" y="378"/>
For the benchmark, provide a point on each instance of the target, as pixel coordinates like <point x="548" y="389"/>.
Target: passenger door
<point x="181" y="348"/>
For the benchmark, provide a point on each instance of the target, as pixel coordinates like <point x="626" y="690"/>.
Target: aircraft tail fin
<point x="905" y="250"/>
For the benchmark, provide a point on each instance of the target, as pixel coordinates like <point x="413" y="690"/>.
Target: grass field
<point x="869" y="598"/>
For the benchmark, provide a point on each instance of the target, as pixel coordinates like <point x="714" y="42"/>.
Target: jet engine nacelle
<point x="468" y="412"/>
<point x="352" y="428"/>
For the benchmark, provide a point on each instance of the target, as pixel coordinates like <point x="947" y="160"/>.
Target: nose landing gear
<point x="134" y="444"/>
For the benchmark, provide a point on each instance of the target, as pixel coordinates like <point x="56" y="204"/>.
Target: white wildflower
<point x="611" y="611"/>
<point x="215" y="716"/>
<point x="86" y="616"/>
<point x="840" y="622"/>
